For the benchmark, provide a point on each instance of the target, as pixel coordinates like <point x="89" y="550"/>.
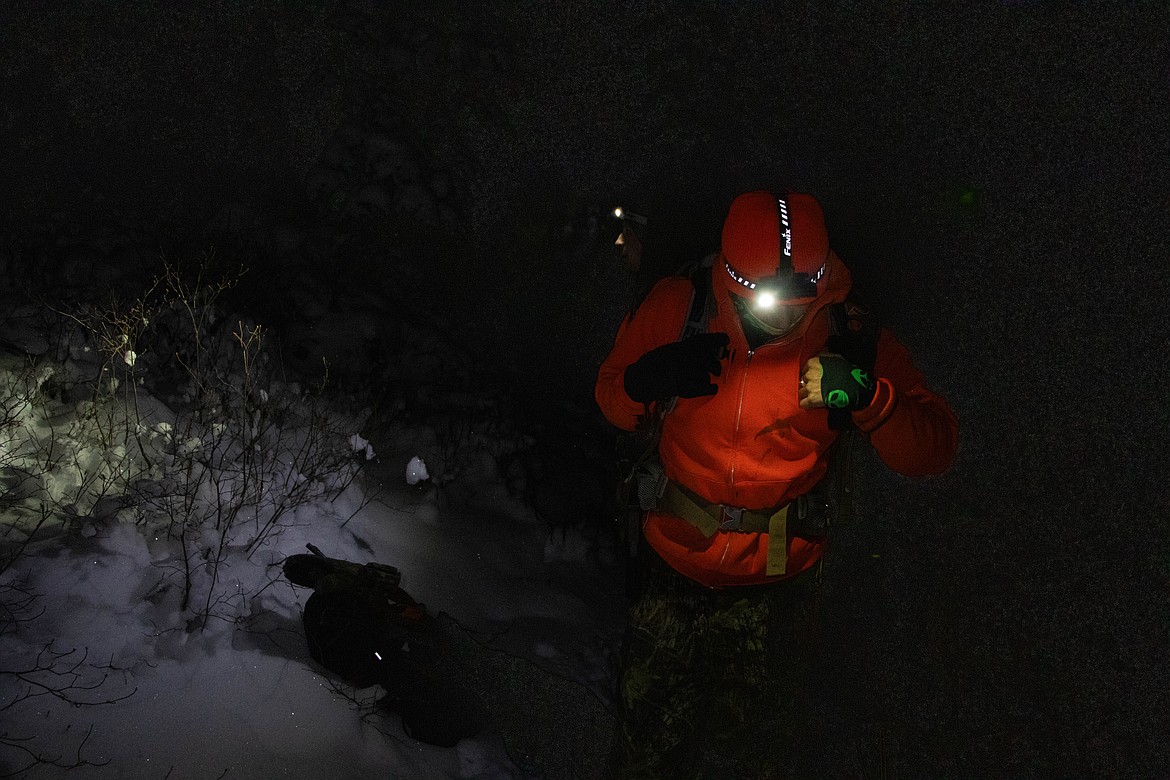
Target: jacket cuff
<point x="872" y="417"/>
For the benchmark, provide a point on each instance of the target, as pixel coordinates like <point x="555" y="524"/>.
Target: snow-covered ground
<point x="159" y="485"/>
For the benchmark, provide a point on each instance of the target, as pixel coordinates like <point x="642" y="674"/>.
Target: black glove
<point x="844" y="385"/>
<point x="683" y="369"/>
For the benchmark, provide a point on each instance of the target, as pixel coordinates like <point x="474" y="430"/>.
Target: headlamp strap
<point x="786" y="268"/>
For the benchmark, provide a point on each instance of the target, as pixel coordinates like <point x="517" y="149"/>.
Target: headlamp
<point x="628" y="216"/>
<point x="766" y="293"/>
<point x="786" y="284"/>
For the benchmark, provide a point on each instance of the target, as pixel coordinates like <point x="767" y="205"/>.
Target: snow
<point x="146" y="519"/>
<point x="416" y="471"/>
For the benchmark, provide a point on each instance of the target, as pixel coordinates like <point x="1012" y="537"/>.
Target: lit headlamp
<point x="786" y="284"/>
<point x="767" y="292"/>
<point x="627" y="216"/>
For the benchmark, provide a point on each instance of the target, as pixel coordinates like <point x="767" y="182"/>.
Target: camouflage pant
<point x="711" y="679"/>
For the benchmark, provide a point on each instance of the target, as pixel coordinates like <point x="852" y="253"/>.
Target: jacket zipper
<point x="743" y="385"/>
<point x="738" y="415"/>
<point x="735" y="444"/>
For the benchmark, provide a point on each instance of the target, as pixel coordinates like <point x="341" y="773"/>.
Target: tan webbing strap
<point x="778" y="542"/>
<point x="680" y="502"/>
<point x="710" y="518"/>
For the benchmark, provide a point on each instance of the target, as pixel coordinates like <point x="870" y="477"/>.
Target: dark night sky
<point x="1019" y="608"/>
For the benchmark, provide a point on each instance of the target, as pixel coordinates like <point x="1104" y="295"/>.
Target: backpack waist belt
<point x="712" y="518"/>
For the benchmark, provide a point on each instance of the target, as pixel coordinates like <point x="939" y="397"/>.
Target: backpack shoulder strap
<point x="699" y="313"/>
<point x="853" y="334"/>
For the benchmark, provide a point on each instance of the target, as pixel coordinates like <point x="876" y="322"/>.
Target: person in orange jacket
<point x="749" y="409"/>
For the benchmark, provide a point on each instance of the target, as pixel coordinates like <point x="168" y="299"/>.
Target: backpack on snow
<point x="357" y="625"/>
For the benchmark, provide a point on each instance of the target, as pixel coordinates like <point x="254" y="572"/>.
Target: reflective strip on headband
<point x="738" y="277"/>
<point x="748" y="284"/>
<point x="785" y="237"/>
<point x="816" y="278"/>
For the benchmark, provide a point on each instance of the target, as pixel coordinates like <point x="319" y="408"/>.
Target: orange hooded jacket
<point x="751" y="445"/>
